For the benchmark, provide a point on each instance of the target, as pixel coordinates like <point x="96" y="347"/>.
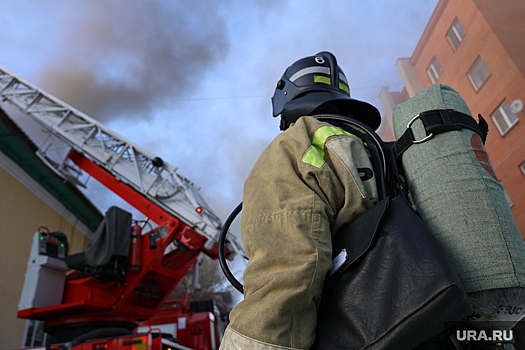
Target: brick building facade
<point x="478" y="48"/>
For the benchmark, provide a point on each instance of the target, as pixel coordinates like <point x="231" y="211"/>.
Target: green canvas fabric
<point x="453" y="187"/>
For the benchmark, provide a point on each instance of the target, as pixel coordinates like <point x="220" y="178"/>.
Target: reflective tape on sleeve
<point x="314" y="155"/>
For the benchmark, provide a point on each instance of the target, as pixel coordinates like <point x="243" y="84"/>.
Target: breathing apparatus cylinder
<point x="455" y="190"/>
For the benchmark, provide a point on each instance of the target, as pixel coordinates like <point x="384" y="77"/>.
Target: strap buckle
<point x="428" y="137"/>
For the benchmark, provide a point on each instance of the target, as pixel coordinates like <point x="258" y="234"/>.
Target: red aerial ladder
<point x="114" y="295"/>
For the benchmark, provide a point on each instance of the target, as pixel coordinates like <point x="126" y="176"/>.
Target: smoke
<point x="127" y="58"/>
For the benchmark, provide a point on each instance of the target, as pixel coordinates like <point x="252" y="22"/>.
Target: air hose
<point x="222" y="240"/>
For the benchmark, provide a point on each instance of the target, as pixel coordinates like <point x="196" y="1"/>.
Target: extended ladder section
<point x="154" y="178"/>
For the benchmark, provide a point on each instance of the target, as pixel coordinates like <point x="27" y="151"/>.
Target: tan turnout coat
<point x="303" y="188"/>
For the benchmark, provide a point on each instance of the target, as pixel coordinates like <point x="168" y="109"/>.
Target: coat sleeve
<point x="302" y="188"/>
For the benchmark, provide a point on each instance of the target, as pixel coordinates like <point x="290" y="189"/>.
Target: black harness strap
<point x="438" y="121"/>
<point x="375" y="145"/>
<point x="401" y="145"/>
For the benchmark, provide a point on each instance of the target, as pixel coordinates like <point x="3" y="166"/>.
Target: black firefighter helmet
<point x="314" y="85"/>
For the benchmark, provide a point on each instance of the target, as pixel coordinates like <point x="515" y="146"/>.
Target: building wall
<point x="486" y="37"/>
<point x="506" y="20"/>
<point x="21" y="214"/>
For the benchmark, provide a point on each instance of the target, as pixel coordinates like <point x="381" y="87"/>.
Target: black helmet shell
<point x="314" y="82"/>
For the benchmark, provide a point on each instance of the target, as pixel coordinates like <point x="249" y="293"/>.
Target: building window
<point x="455" y="34"/>
<point x="504" y="118"/>
<point x="434" y="70"/>
<point x="478" y="73"/>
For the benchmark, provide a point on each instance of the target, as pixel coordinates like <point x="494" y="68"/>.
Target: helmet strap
<point x="284" y="124"/>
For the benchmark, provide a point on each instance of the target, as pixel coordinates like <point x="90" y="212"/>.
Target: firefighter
<point x="312" y="179"/>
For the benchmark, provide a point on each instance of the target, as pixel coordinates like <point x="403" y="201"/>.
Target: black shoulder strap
<point x="438" y="121"/>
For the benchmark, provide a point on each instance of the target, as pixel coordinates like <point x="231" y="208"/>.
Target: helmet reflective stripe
<point x="343" y="84"/>
<point x="343" y="78"/>
<point x="344" y="87"/>
<point x="328" y="81"/>
<point x="310" y="70"/>
<point x="322" y="79"/>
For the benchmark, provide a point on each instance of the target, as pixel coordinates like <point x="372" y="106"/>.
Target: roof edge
<point x="62" y="196"/>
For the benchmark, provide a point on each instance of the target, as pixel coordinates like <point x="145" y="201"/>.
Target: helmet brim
<point x="314" y="102"/>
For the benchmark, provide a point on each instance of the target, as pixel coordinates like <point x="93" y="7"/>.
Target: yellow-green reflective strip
<point x="314" y="155"/>
<point x="344" y="87"/>
<point x="326" y="80"/>
<point x="321" y="79"/>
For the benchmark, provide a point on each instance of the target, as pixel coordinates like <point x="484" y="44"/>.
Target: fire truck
<point x="115" y="294"/>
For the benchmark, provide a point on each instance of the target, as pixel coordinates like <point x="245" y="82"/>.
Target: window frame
<point x="457" y="31"/>
<point x="504" y="110"/>
<point x="434" y="70"/>
<point x="478" y="69"/>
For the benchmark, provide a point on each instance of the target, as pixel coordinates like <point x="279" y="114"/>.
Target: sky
<point x="191" y="81"/>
